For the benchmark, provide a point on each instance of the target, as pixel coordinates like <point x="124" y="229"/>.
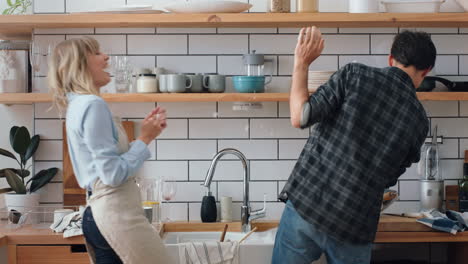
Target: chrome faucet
<point x="246" y="214"/>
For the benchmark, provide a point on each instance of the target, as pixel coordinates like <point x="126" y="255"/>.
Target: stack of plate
<point x="317" y="78"/>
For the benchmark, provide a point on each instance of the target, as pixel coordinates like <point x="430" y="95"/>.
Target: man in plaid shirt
<point x="368" y="128"/>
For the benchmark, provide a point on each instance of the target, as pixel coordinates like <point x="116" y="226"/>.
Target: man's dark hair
<point x="414" y="48"/>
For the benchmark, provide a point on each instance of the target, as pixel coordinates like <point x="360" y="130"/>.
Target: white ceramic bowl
<point x="413" y="6"/>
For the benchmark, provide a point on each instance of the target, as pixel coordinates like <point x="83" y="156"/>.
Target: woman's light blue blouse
<point x="93" y="144"/>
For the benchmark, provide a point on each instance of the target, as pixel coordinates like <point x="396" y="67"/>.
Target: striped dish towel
<point x="450" y="222"/>
<point x="209" y="252"/>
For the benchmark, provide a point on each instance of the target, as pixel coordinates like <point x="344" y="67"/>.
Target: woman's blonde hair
<point x="68" y="70"/>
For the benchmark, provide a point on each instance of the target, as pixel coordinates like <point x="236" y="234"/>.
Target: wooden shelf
<point x="30" y="98"/>
<point x="17" y="26"/>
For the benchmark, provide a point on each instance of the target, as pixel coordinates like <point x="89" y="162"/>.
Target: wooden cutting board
<point x="72" y="192"/>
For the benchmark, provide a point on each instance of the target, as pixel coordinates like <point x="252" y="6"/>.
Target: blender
<point x="431" y="181"/>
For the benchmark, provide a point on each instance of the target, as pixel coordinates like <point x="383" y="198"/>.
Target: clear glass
<point x="123" y="72"/>
<point x="169" y="190"/>
<point x="428" y="166"/>
<point x="38" y="217"/>
<point x="150" y="191"/>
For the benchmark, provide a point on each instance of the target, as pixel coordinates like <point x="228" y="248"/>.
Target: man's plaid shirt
<point x="368" y="128"/>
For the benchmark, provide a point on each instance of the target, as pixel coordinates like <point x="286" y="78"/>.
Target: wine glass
<point x="35" y="56"/>
<point x="169" y="189"/>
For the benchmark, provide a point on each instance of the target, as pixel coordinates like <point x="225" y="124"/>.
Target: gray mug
<point x="214" y="83"/>
<point x="178" y="83"/>
<point x="163" y="83"/>
<point x="197" y="83"/>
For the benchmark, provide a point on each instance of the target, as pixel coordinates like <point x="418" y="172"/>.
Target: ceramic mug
<point x="162" y="83"/>
<point x="214" y="83"/>
<point x="197" y="82"/>
<point x="178" y="83"/>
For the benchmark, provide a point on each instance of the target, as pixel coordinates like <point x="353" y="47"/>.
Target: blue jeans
<point x="104" y="253"/>
<point x="299" y="242"/>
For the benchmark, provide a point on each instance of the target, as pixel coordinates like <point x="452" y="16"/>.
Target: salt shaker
<point x="226" y="209"/>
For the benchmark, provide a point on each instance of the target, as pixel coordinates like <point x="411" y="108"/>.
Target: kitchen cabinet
<point x="41" y="246"/>
<point x="70" y="254"/>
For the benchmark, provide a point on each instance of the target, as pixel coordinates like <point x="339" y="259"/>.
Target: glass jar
<point x="147" y="83"/>
<point x="307" y="6"/>
<point x="279" y="6"/>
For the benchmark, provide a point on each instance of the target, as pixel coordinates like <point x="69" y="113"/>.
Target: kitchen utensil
<point x="409" y="215"/>
<point x="207" y="7"/>
<point x="247" y="235"/>
<point x="223" y="235"/>
<point x="413" y="6"/>
<point x="429" y="83"/>
<point x="363" y="6"/>
<point x="214" y="83"/>
<point x="169" y="190"/>
<point x="249" y="84"/>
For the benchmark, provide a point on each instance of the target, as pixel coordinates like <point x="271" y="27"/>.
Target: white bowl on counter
<point x="412" y="6"/>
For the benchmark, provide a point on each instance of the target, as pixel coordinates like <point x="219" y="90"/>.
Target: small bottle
<point x="208" y="211"/>
<point x="307" y="6"/>
<point x="279" y="6"/>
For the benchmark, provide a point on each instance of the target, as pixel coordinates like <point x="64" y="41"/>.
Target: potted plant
<point x="16" y="7"/>
<point x="24" y="191"/>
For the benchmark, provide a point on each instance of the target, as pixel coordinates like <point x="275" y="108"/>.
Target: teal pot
<point x="249" y="84"/>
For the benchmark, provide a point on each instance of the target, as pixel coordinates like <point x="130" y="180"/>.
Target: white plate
<point x="413" y="6"/>
<point x="208" y="7"/>
<point x="127" y="9"/>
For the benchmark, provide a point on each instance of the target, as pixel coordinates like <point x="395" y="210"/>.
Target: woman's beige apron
<point x="119" y="216"/>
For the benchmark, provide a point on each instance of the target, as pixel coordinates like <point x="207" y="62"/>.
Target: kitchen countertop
<point x="392" y="229"/>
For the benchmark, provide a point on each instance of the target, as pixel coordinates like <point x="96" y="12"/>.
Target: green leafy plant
<point x="17" y="7"/>
<point x="25" y="147"/>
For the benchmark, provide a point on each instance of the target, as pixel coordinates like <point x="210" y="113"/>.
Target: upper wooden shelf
<point x="30" y="98"/>
<point x="12" y="26"/>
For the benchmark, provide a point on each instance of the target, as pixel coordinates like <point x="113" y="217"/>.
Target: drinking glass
<point x="169" y="190"/>
<point x="123" y="72"/>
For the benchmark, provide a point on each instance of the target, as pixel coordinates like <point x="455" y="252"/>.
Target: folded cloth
<point x="450" y="222"/>
<point x="69" y="224"/>
<point x="209" y="252"/>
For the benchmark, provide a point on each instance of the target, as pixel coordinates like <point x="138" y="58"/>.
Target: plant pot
<point x="22" y="203"/>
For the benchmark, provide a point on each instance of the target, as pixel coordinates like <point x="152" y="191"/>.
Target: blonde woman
<point x="104" y="163"/>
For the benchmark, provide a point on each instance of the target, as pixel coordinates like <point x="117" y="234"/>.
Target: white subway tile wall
<point x="197" y="131"/>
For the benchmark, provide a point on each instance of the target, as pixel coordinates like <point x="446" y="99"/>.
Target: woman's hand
<point x="153" y="125"/>
<point x="309" y="46"/>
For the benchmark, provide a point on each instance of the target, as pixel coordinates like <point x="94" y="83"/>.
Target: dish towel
<point x="209" y="252"/>
<point x="450" y="222"/>
<point x="69" y="224"/>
